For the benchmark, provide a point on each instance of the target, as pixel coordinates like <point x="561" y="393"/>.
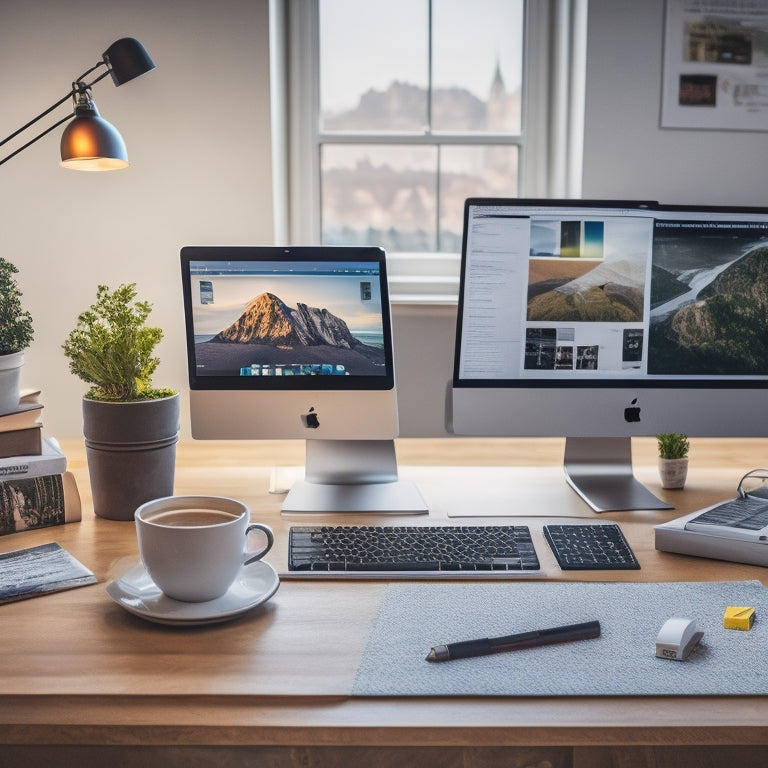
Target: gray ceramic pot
<point x="10" y="379"/>
<point x="131" y="452"/>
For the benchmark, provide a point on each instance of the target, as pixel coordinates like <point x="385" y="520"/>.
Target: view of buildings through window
<point x="420" y="108"/>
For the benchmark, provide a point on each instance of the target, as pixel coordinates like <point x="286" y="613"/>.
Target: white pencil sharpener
<point x="677" y="638"/>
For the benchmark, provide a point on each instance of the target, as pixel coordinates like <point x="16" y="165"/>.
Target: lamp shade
<point x="90" y="143"/>
<point x="127" y="59"/>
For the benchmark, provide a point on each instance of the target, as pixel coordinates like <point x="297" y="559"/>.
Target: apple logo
<point x="633" y="412"/>
<point x="310" y="419"/>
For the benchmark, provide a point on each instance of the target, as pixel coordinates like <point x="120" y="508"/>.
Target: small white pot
<point x="10" y="381"/>
<point x="673" y="472"/>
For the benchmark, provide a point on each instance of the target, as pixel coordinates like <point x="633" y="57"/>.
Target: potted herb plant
<point x="130" y="427"/>
<point x="16" y="332"/>
<point x="673" y="459"/>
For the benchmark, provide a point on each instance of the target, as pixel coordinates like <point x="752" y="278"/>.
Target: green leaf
<point x="112" y="348"/>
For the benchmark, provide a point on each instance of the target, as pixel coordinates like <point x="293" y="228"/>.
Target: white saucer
<point x="138" y="594"/>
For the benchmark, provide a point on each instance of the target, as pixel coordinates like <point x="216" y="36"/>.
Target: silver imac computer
<point x="296" y="342"/>
<point x="599" y="321"/>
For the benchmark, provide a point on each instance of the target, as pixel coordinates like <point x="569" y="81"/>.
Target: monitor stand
<point x="353" y="476"/>
<point x="599" y="469"/>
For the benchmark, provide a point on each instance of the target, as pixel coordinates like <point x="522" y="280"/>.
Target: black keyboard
<point x="590" y="547"/>
<point x="750" y="514"/>
<point x="411" y="549"/>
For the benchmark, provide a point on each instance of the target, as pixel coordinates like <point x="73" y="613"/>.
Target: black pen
<point x="469" y="648"/>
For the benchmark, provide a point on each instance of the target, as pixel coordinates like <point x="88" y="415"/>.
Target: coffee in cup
<point x="194" y="546"/>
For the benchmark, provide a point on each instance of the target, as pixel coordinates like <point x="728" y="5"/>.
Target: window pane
<point x="379" y="195"/>
<point x="373" y="65"/>
<point x="472" y="171"/>
<point x="477" y="65"/>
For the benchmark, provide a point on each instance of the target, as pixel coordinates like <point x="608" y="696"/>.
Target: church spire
<point x="497" y="84"/>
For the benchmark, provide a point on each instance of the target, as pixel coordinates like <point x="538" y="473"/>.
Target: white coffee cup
<point x="194" y="546"/>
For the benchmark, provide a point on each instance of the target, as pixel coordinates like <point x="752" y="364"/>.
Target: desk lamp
<point x="90" y="143"/>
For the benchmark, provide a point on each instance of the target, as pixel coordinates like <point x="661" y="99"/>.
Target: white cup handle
<point x="252" y="557"/>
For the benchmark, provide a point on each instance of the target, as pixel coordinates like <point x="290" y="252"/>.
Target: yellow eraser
<point x="739" y="617"/>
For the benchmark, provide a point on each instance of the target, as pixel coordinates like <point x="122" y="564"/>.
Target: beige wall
<point x="626" y="152"/>
<point x="198" y="136"/>
<point x="424" y="339"/>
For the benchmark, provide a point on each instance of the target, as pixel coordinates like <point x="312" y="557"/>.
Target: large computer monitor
<point x="296" y="342"/>
<point x="600" y="321"/>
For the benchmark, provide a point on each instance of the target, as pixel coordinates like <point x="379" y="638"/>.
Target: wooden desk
<point x="82" y="680"/>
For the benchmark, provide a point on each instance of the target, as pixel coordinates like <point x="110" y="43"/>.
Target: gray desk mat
<point x="621" y="662"/>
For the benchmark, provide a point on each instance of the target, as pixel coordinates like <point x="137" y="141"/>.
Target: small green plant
<point x="16" y="329"/>
<point x="673" y="445"/>
<point x="112" y="348"/>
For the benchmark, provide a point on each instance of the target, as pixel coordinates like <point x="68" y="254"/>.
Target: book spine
<point x="23" y="417"/>
<point x="16" y="467"/>
<point x="38" y="502"/>
<point x="21" y="442"/>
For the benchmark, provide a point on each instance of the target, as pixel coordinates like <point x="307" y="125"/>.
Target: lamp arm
<point x="39" y="117"/>
<point x="40" y="136"/>
<point x="80" y="79"/>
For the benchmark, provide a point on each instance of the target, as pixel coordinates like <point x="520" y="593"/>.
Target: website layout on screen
<point x="590" y="293"/>
<point x="280" y="319"/>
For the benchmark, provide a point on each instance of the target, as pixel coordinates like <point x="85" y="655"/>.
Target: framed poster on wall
<point x="715" y="73"/>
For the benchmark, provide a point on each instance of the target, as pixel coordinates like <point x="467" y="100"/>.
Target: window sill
<point x="423" y="278"/>
<point x="430" y="299"/>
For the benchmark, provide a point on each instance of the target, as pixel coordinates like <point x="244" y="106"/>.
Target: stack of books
<point x="36" y="490"/>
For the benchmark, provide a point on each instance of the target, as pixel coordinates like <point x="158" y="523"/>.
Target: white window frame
<point x="551" y="139"/>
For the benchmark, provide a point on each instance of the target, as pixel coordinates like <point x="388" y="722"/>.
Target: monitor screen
<point x="593" y="319"/>
<point x="287" y="317"/>
<point x="290" y="335"/>
<point x="296" y="342"/>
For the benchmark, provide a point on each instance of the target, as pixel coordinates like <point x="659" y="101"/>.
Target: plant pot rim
<point x="130" y="421"/>
<point x="129" y="402"/>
